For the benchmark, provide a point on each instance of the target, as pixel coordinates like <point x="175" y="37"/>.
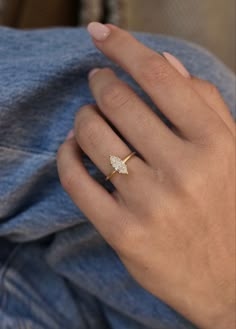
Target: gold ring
<point x="119" y="165"/>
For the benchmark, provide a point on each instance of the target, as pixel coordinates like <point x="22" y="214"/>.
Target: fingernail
<point x="98" y="31"/>
<point x="70" y="134"/>
<point x="177" y="64"/>
<point x="92" y="72"/>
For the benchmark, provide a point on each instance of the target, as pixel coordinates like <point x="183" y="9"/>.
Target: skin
<point x="171" y="220"/>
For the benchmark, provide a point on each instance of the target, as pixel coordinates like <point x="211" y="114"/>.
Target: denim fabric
<point x="56" y="271"/>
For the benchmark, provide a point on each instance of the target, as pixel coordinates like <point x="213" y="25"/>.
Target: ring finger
<point x="98" y="140"/>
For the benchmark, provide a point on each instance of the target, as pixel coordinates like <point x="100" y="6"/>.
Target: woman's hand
<point x="171" y="220"/>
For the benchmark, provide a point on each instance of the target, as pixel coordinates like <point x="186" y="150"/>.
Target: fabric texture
<point x="210" y="23"/>
<point x="56" y="271"/>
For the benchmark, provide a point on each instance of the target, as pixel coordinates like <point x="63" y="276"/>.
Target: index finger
<point x="171" y="93"/>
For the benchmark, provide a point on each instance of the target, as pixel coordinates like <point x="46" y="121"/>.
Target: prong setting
<point x="118" y="164"/>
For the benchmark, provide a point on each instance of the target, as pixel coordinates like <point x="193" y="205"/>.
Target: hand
<point x="171" y="219"/>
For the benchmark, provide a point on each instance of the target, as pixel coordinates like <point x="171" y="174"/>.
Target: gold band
<point x="123" y="161"/>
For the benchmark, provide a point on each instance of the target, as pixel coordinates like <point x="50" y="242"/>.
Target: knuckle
<point x="86" y="126"/>
<point x="128" y="238"/>
<point x="114" y="95"/>
<point x="195" y="182"/>
<point x="192" y="181"/>
<point x="216" y="134"/>
<point x="88" y="131"/>
<point x="212" y="89"/>
<point x="212" y="134"/>
<point x="67" y="179"/>
<point x="195" y="177"/>
<point x="155" y="71"/>
<point x="225" y="143"/>
<point x="82" y="115"/>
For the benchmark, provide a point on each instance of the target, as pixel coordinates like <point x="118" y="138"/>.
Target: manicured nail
<point x="98" y="31"/>
<point x="92" y="72"/>
<point x="177" y="64"/>
<point x="70" y="134"/>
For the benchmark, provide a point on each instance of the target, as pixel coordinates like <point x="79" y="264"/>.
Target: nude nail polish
<point x="176" y="64"/>
<point x="92" y="72"/>
<point x="70" y="134"/>
<point x="98" y="31"/>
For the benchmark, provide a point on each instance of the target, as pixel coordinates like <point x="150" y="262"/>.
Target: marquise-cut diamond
<point x="118" y="164"/>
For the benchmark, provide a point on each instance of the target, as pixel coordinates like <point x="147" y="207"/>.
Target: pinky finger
<point x="207" y="91"/>
<point x="98" y="205"/>
<point x="214" y="100"/>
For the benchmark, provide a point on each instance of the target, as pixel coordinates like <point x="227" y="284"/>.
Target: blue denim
<point x="56" y="271"/>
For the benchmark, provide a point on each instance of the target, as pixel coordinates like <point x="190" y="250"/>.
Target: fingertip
<point x="98" y="31"/>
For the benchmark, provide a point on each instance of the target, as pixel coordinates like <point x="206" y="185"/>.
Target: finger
<point x="98" y="205"/>
<point x="213" y="98"/>
<point x="168" y="89"/>
<point x="134" y="119"/>
<point x="206" y="90"/>
<point x="98" y="140"/>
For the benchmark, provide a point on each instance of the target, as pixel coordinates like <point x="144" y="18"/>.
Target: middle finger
<point x="133" y="118"/>
<point x="170" y="91"/>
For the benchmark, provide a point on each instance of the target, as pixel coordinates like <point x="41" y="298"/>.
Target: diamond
<point x="118" y="164"/>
